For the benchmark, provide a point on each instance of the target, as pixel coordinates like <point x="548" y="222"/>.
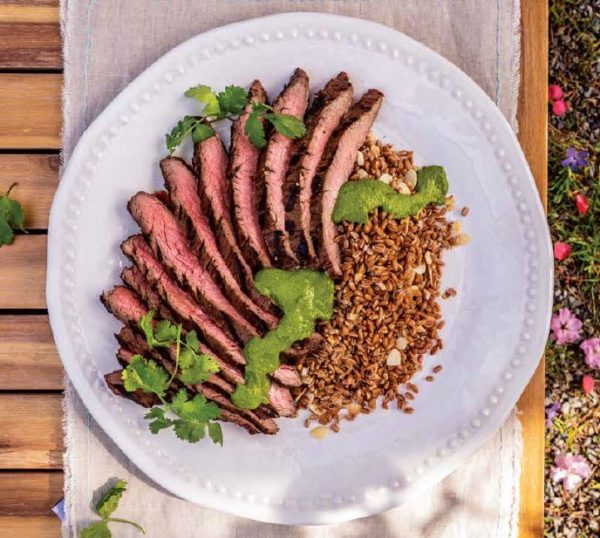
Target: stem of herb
<point x="119" y="520"/>
<point x="178" y="344"/>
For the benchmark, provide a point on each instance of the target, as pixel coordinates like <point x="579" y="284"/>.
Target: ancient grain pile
<point x="387" y="315"/>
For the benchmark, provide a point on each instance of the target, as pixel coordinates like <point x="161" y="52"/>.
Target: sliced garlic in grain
<point x="320" y="432"/>
<point x="420" y="269"/>
<point x="411" y="178"/>
<point x="362" y="173"/>
<point x="385" y="178"/>
<point x="394" y="358"/>
<point x="428" y="259"/>
<point x="360" y="158"/>
<point x="402" y="188"/>
<point x="401" y="343"/>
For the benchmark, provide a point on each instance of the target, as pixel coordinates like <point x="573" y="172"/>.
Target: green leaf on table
<point x="145" y="375"/>
<point x="232" y="100"/>
<point x="99" y="529"/>
<point x="286" y="124"/>
<point x="110" y="500"/>
<point x="11" y="217"/>
<point x="204" y="95"/>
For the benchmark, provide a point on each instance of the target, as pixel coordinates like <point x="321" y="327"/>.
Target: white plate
<point x="496" y="326"/>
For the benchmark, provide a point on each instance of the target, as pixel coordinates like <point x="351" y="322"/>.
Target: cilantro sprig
<point x="105" y="508"/>
<point x="11" y="217"/>
<point x="230" y="104"/>
<point x="191" y="419"/>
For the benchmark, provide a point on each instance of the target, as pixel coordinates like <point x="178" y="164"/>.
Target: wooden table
<point x="31" y="444"/>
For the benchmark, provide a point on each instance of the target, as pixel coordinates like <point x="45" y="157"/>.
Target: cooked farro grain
<point x="386" y="313"/>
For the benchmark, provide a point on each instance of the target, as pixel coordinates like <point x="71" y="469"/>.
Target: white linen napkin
<point x="107" y="43"/>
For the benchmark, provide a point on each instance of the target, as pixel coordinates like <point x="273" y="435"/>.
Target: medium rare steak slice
<point x="287" y="376"/>
<point x="275" y="160"/>
<point x="282" y="401"/>
<point x="325" y="113"/>
<point x="334" y="170"/>
<point x="186" y="309"/>
<point x="135" y="279"/>
<point x="168" y="239"/>
<point x="243" y="169"/>
<point x="183" y="188"/>
<point x="210" y="166"/>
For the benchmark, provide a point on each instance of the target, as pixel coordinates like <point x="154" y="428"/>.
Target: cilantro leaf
<point x="215" y="433"/>
<point x="183" y="128"/>
<point x="159" y="420"/>
<point x="145" y="375"/>
<point x="205" y="95"/>
<point x="255" y="130"/>
<point x="145" y="324"/>
<point x="165" y="333"/>
<point x="110" y="500"/>
<point x="196" y="368"/>
<point x="194" y="416"/>
<point x="286" y="124"/>
<point x="232" y="100"/>
<point x="201" y="132"/>
<point x="99" y="529"/>
<point x="11" y="217"/>
<point x="191" y="341"/>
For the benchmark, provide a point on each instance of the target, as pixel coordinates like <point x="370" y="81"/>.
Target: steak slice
<point x="243" y="169"/>
<point x="168" y="239"/>
<point x="281" y="400"/>
<point x="334" y="170"/>
<point x="134" y="278"/>
<point x="210" y="166"/>
<point x="275" y="160"/>
<point x="186" y="309"/>
<point x="183" y="188"/>
<point x="326" y="111"/>
<point x="287" y="376"/>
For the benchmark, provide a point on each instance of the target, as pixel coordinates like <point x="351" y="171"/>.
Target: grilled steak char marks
<point x="210" y="166"/>
<point x="326" y="111"/>
<point x="245" y="195"/>
<point x="275" y="161"/>
<point x="183" y="189"/>
<point x="334" y="170"/>
<point x="168" y="240"/>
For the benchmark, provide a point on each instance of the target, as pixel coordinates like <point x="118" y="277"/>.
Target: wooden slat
<point x="30" y="434"/>
<point x="30" y="527"/>
<point x="25" y="45"/>
<point x="533" y="129"/>
<point x="29" y="494"/>
<point x="23" y="274"/>
<point x="28" y="356"/>
<point x="36" y="177"/>
<point x="30" y="111"/>
<point x="29" y="11"/>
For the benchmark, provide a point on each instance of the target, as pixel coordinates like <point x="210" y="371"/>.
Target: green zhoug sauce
<point x="304" y="296"/>
<point x="357" y="198"/>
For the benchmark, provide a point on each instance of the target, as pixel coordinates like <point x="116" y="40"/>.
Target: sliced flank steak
<point x="210" y="166"/>
<point x="134" y="278"/>
<point x="183" y="189"/>
<point x="325" y="113"/>
<point x="245" y="195"/>
<point x="215" y="389"/>
<point x="334" y="170"/>
<point x="274" y="165"/>
<point x="168" y="240"/>
<point x="186" y="309"/>
<point x="114" y="381"/>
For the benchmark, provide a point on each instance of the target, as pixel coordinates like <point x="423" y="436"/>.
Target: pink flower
<point x="562" y="250"/>
<point x="570" y="470"/>
<point x="582" y="204"/>
<point x="559" y="108"/>
<point x="554" y="92"/>
<point x="587" y="384"/>
<point x="591" y="349"/>
<point x="565" y="327"/>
